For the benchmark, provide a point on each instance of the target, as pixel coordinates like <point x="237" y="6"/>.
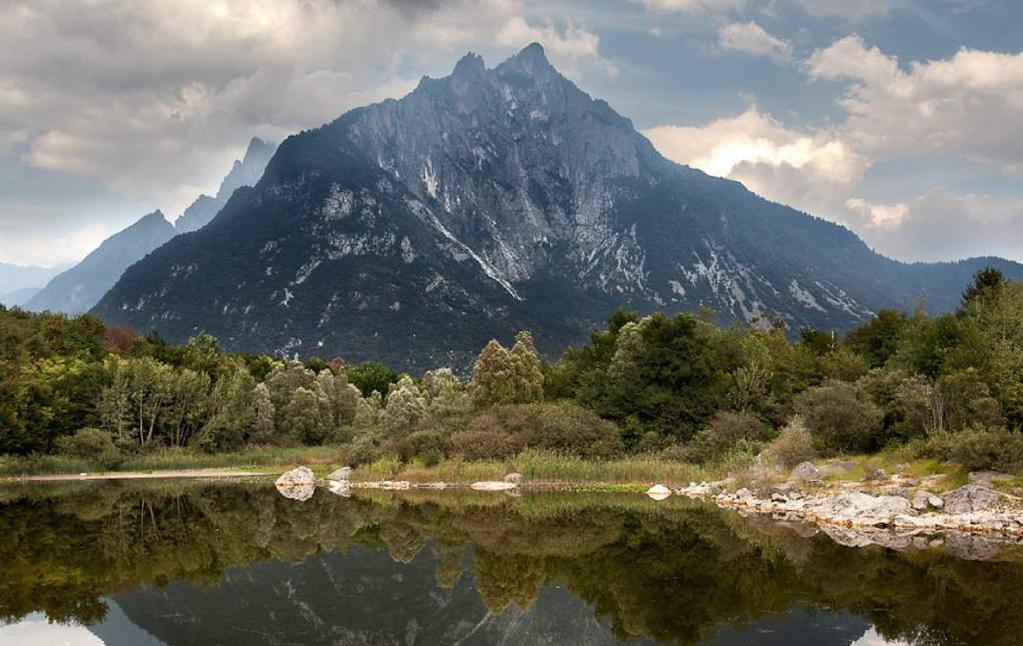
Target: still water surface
<point x="223" y="563"/>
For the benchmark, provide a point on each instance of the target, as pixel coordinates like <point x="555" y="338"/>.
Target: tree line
<point x="949" y="385"/>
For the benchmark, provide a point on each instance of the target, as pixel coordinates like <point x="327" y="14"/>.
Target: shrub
<point x="980" y="448"/>
<point x="93" y="445"/>
<point x="562" y="427"/>
<point x="726" y="431"/>
<point x="424" y="444"/>
<point x="483" y="444"/>
<point x="840" y="418"/>
<point x="793" y="445"/>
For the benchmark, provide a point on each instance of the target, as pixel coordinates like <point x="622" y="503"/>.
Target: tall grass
<point x="541" y="467"/>
<point x="169" y="459"/>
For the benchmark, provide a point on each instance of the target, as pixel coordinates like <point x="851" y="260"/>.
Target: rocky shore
<point x="894" y="512"/>
<point x="897" y="512"/>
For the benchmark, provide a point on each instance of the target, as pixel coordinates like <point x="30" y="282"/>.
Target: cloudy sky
<point x="902" y="119"/>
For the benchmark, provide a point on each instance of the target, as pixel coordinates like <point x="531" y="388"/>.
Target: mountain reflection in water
<point x="222" y="563"/>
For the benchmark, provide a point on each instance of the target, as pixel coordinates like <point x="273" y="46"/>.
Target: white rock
<point x="300" y="477"/>
<point x="344" y="474"/>
<point x="970" y="498"/>
<point x="658" y="492"/>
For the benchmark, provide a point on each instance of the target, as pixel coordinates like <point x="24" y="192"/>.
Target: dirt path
<point x="140" y="475"/>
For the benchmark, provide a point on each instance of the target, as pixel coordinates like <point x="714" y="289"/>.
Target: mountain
<point x="79" y="288"/>
<point x="414" y="230"/>
<point x="352" y="597"/>
<point x="245" y="172"/>
<point x="18" y="297"/>
<point x="18" y="277"/>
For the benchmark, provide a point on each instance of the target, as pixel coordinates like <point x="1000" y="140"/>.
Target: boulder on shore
<point x="299" y="477"/>
<point x="807" y="472"/>
<point x="658" y="492"/>
<point x="970" y="498"/>
<point x="514" y="477"/>
<point x="297" y="484"/>
<point x="871" y="510"/>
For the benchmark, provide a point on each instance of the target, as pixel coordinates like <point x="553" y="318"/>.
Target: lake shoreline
<point x="198" y="474"/>
<point x="856" y="513"/>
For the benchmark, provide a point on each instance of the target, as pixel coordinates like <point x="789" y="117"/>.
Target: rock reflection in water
<point x="229" y="563"/>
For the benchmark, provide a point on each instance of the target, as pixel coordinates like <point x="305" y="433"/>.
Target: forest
<point x="948" y="387"/>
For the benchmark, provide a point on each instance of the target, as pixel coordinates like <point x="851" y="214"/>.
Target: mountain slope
<point x="80" y="287"/>
<point x="493" y="199"/>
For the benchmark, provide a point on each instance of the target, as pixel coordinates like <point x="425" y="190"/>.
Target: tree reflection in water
<point x="224" y="557"/>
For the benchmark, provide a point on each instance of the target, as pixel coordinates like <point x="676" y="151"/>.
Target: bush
<point x="980" y="448"/>
<point x="93" y="445"/>
<point x="793" y="445"/>
<point x="484" y="444"/>
<point x="841" y="418"/>
<point x="426" y="444"/>
<point x="726" y="431"/>
<point x="562" y="427"/>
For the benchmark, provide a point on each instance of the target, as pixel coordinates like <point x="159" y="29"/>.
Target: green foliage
<point x="92" y="445"/>
<point x="645" y="383"/>
<point x="979" y="448"/>
<point x="727" y="431"/>
<point x="793" y="445"/>
<point x="503" y="376"/>
<point x="369" y="376"/>
<point x="561" y="426"/>
<point x="841" y="418"/>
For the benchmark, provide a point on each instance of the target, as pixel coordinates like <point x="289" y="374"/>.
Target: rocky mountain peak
<point x="530" y="61"/>
<point x="469" y="66"/>
<point x="490" y="200"/>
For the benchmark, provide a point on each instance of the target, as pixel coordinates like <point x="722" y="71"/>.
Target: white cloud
<point x="568" y="47"/>
<point x="812" y="171"/>
<point x="694" y="6"/>
<point x="967" y="104"/>
<point x="750" y="38"/>
<point x="152" y="100"/>
<point x="851" y="9"/>
<point x="942" y="225"/>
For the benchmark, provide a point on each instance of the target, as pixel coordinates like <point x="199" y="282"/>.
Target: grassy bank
<point x="536" y="466"/>
<point x="268" y="458"/>
<point x="542" y="466"/>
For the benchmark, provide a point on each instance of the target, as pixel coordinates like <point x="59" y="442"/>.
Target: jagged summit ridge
<point x="490" y="200"/>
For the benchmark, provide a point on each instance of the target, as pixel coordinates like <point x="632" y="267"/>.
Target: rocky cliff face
<point x="414" y="230"/>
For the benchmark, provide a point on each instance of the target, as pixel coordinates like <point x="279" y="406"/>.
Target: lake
<point x="163" y="562"/>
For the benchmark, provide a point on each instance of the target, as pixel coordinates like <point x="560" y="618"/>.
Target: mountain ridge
<point x="415" y="229"/>
<point x="81" y="286"/>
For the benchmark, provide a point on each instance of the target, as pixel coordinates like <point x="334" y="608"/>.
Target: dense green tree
<point x="841" y="418"/>
<point x="370" y="375"/>
<point x="878" y="339"/>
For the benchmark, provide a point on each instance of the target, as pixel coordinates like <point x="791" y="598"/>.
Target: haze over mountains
<point x="80" y="287"/>
<point x="18" y="283"/>
<point x="414" y="230"/>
